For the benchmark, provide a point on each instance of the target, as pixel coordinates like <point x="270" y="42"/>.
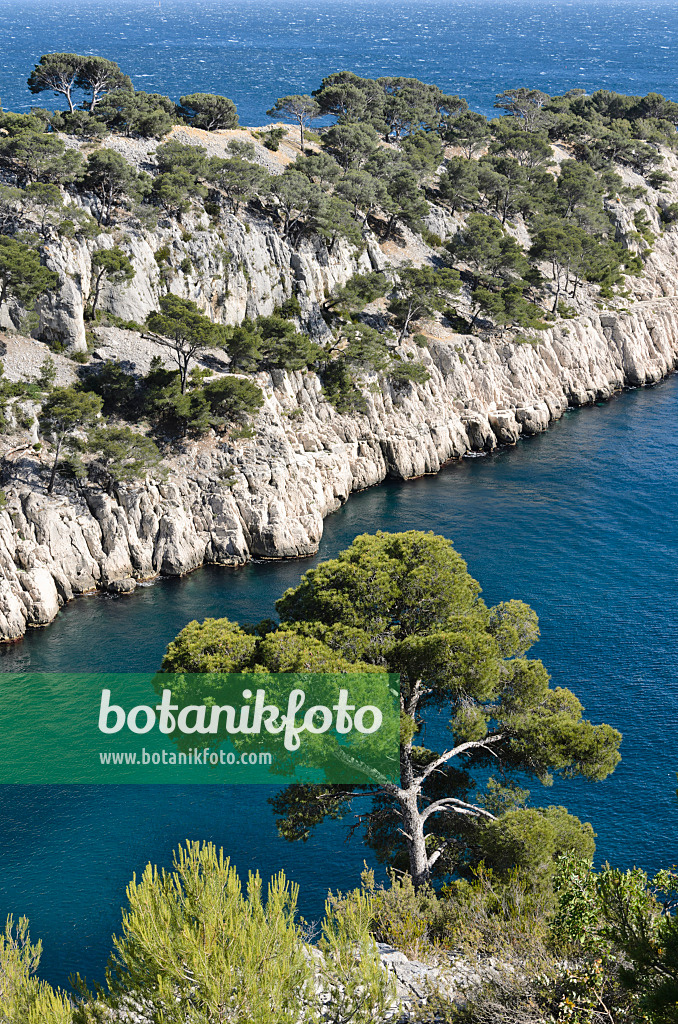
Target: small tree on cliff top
<point x="180" y="326"/>
<point x="64" y="414"/>
<point x="406" y="602"/>
<point x="301" y="109"/>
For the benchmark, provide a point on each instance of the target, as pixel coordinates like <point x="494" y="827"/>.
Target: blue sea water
<point x="257" y="50"/>
<point x="580" y="522"/>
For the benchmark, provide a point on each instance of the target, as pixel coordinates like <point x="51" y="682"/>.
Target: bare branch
<point x="449" y="754"/>
<point x="455" y="806"/>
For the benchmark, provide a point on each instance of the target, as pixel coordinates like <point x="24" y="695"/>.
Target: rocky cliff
<point x="225" y="500"/>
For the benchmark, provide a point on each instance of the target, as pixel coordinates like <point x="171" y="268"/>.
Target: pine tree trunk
<point x="413" y="826"/>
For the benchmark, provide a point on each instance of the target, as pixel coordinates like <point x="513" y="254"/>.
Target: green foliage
<point x="174" y="191"/>
<point x="65" y="414"/>
<point x="200" y="948"/>
<point x="319" y="167"/>
<point x="423" y="151"/>
<point x="505" y="184"/>
<point x="282" y="346"/>
<point x="533" y="839"/>
<point x="643" y="227"/>
<point x="458" y="184"/>
<point x="25" y="999"/>
<point x="668" y="214"/>
<point x="405" y="601"/>
<point x="120" y="455"/>
<point x="469" y="131"/>
<point x="273" y="137"/>
<point x="112" y="181"/>
<point x="657" y="179"/>
<point x="301" y="110"/>
<point x="339" y="387"/>
<point x="237" y="181"/>
<point x="158" y="397"/>
<point x="22" y="275"/>
<point x="132" y="113"/>
<point x="363" y="191"/>
<point x="289" y="308"/>
<point x="179" y="182"/>
<point x="173" y="156"/>
<point x="402" y="375"/>
<point x="525" y="105"/>
<point x="351" y="974"/>
<point x="61" y="73"/>
<point x="420" y="292"/>
<point x="573" y="256"/>
<point x="405" y="201"/>
<point x="351" y="145"/>
<point x="358" y="292"/>
<point x="112" y="265"/>
<point x="305" y="208"/>
<point x="404" y="917"/>
<point x="232" y="399"/>
<point x="205" y="110"/>
<point x="393" y="106"/>
<point x="483" y="245"/>
<point x="184" y="330"/>
<point x="507" y="306"/>
<point x="530" y="149"/>
<point x="171" y="410"/>
<point x="43" y="200"/>
<point x="270" y="342"/>
<point x="116" y="388"/>
<point x="31" y="154"/>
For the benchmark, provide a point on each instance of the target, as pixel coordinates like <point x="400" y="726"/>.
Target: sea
<point x="256" y="50"/>
<point x="579" y="522"/>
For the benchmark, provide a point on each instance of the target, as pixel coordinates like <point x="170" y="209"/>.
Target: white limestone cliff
<point x="225" y="501"/>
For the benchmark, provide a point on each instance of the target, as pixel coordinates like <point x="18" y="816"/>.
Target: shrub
<point x="403" y="375"/>
<point x="233" y="398"/>
<point x="116" y="388"/>
<point x="567" y="312"/>
<point x="273" y="138"/>
<point x="339" y="388"/>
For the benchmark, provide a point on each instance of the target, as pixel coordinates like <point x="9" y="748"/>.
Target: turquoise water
<point x="257" y="50"/>
<point x="580" y="522"/>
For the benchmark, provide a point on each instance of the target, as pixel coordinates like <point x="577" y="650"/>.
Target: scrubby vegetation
<point x="379" y="167"/>
<point x="577" y="947"/>
<point x="195" y="946"/>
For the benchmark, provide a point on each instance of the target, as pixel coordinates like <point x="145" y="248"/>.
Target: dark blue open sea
<point x="580" y="522"/>
<point x="257" y="50"/>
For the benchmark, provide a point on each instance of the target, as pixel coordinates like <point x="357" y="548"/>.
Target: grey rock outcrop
<point x="267" y="496"/>
<point x="226" y="501"/>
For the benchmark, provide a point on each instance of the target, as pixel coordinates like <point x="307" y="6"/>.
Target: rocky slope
<point x="228" y="500"/>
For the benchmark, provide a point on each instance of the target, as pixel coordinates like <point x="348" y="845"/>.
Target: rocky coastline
<point x="225" y="499"/>
<point x="225" y="502"/>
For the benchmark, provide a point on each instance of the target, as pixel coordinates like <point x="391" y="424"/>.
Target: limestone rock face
<point x="246" y="270"/>
<point x="225" y="501"/>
